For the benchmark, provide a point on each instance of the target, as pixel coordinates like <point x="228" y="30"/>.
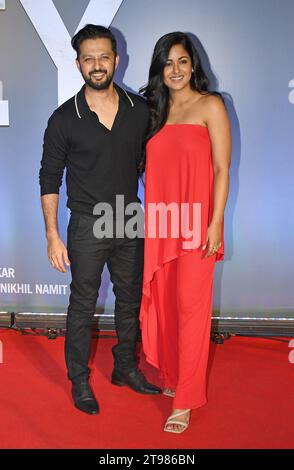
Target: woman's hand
<point x="213" y="240"/>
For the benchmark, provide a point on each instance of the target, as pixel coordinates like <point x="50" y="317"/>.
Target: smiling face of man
<point x="97" y="62"/>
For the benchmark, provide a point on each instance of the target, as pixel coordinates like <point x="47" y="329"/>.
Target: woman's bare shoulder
<point x="212" y="107"/>
<point x="212" y="100"/>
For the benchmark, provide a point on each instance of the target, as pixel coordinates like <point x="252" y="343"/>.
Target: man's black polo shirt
<point x="100" y="163"/>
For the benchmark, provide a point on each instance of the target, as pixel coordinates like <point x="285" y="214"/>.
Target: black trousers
<point x="88" y="255"/>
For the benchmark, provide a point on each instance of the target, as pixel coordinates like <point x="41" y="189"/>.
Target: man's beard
<point x="101" y="85"/>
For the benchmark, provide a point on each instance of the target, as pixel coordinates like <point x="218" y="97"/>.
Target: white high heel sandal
<point x="168" y="392"/>
<point x="171" y="421"/>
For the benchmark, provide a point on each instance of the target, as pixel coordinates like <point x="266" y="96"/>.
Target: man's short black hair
<point x="92" y="31"/>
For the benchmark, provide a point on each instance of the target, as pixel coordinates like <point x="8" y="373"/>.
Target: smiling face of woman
<point x="178" y="69"/>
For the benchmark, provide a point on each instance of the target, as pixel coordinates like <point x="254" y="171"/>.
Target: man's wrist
<point x="52" y="235"/>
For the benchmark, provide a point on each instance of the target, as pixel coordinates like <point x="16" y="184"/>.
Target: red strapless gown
<point x="176" y="303"/>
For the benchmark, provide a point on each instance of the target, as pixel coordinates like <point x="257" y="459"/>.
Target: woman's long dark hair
<point x="157" y="93"/>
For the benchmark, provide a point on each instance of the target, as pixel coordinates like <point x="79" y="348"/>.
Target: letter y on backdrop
<point x="55" y="37"/>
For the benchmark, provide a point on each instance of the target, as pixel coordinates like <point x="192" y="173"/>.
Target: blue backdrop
<point x="247" y="50"/>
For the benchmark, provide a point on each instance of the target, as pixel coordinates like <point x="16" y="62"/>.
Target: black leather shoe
<point x="84" y="399"/>
<point x="136" y="381"/>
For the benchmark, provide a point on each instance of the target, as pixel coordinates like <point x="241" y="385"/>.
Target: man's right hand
<point x="57" y="254"/>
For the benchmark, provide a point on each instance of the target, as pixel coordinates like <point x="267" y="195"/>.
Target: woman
<point x="188" y="157"/>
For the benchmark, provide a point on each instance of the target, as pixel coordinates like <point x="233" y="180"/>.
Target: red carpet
<point x="250" y="400"/>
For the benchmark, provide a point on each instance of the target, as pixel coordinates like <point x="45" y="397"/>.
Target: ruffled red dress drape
<point x="179" y="169"/>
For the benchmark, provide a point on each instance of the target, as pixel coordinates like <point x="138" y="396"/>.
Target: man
<point x="98" y="136"/>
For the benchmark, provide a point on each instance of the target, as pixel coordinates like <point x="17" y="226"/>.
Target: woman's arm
<point x="220" y="135"/>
